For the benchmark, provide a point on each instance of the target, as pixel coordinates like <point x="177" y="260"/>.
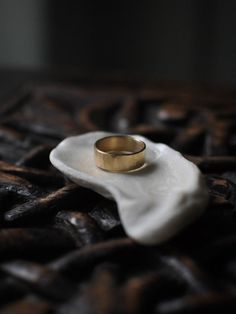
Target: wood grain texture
<point x="63" y="248"/>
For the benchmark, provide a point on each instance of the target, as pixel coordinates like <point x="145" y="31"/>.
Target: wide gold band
<point x="119" y="153"/>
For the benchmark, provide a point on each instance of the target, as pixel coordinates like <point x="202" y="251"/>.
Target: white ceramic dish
<point x="154" y="202"/>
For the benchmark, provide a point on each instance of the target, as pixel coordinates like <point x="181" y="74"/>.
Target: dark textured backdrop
<point x="185" y="40"/>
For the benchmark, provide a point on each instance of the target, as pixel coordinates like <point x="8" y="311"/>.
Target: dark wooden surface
<point x="62" y="247"/>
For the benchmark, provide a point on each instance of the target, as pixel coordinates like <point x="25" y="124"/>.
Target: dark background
<point x="184" y="40"/>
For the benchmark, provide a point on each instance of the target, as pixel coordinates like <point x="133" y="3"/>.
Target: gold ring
<point x="119" y="153"/>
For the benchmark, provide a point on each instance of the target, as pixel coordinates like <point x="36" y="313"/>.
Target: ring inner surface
<point x="120" y="145"/>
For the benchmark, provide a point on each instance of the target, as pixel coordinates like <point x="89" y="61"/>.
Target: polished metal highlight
<point x="119" y="153"/>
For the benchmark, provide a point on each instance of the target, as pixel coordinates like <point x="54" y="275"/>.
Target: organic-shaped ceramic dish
<point x="154" y="202"/>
